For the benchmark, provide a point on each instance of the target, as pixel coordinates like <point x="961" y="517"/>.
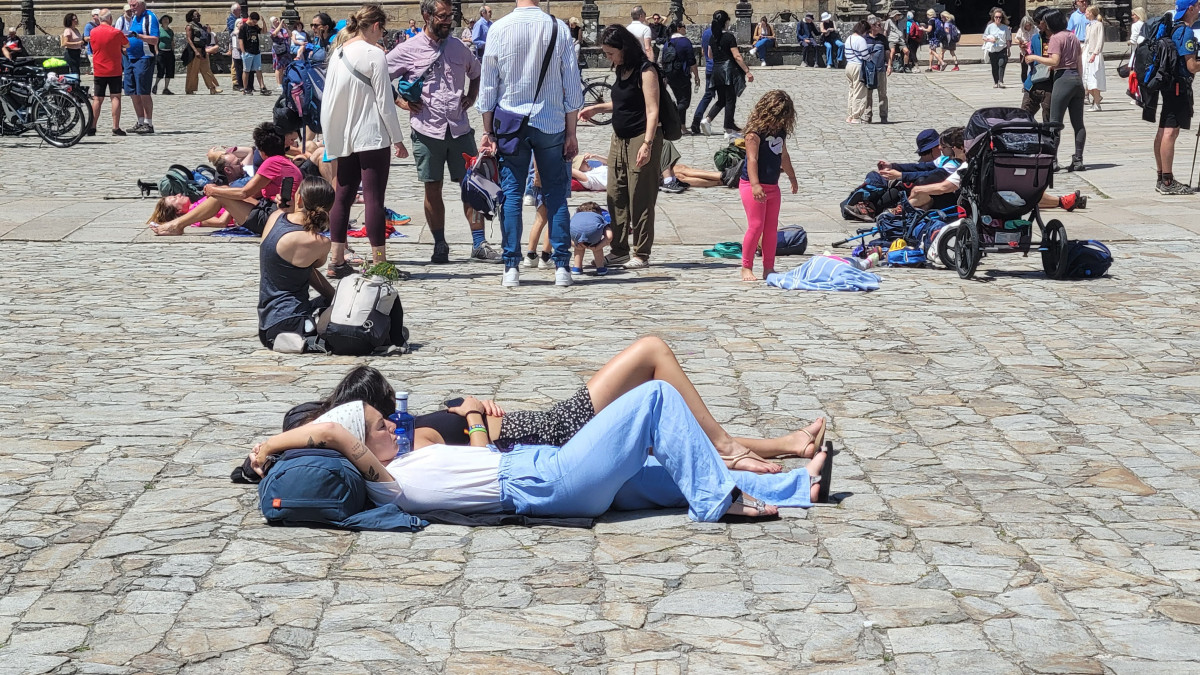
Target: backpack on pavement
<point x="321" y="488"/>
<point x="180" y="180"/>
<point x="359" y="320"/>
<point x="791" y="240"/>
<point x="1088" y="259"/>
<point x="1156" y="58"/>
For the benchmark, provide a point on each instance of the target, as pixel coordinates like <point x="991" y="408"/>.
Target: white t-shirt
<point x="1003" y="35"/>
<point x="640" y="31"/>
<point x="597" y="179"/>
<point x="956" y="177"/>
<point x="857" y="49"/>
<point x="463" y="479"/>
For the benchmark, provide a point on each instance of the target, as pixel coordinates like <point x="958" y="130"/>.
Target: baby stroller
<point x="1010" y="164"/>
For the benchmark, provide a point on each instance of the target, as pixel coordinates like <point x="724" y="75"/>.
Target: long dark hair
<point x="365" y="384"/>
<point x="69" y="19"/>
<point x="1056" y="21"/>
<point x="619" y="38"/>
<point x="719" y="21"/>
<point x="193" y="15"/>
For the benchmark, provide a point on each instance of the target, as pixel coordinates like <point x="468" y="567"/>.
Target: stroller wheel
<point x="1054" y="249"/>
<point x="946" y="247"/>
<point x="966" y="248"/>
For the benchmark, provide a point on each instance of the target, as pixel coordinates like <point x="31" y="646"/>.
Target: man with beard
<point x="441" y="132"/>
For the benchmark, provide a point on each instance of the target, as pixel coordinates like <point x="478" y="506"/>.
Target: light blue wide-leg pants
<point x="608" y="464"/>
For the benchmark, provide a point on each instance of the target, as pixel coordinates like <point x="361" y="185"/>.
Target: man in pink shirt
<point x="441" y="132"/>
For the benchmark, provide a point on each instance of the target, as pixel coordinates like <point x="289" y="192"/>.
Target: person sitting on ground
<point x="590" y="232"/>
<point x="474" y="422"/>
<point x="291" y="256"/>
<point x="251" y="204"/>
<point x="895" y="179"/>
<point x="936" y="195"/>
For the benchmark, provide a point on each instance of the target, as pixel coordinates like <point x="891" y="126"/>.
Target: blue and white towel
<point x="823" y="273"/>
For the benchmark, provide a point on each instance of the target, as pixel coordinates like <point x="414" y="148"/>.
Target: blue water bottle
<point x="405" y="424"/>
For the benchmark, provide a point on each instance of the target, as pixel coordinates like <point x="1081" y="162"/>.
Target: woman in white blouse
<point x="359" y="121"/>
<point x="997" y="38"/>
<point x="1093" y="57"/>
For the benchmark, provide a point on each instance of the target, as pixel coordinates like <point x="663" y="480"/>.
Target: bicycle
<point x="597" y="90"/>
<point x="31" y="100"/>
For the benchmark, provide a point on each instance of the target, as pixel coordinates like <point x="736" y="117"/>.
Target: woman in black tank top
<point x="645" y="360"/>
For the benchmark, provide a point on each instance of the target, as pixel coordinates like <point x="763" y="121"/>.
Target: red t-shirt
<point x="275" y="169"/>
<point x="106" y="44"/>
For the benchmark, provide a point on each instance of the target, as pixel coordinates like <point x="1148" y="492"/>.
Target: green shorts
<point x="432" y="154"/>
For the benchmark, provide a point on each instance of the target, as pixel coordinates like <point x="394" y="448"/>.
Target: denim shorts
<point x="252" y="62"/>
<point x="139" y="76"/>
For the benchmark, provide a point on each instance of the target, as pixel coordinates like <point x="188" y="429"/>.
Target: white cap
<point x="95" y="12"/>
<point x="825" y="16"/>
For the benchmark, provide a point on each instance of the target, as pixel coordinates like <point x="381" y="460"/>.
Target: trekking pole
<point x="1194" y="151"/>
<point x="862" y="235"/>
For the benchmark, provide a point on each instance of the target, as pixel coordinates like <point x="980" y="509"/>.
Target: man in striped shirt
<point x="512" y="63"/>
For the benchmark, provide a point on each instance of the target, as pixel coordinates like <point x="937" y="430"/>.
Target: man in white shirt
<point x="512" y="66"/>
<point x="641" y="31"/>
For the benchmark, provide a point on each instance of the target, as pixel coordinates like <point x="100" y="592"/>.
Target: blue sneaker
<point x="601" y="271"/>
<point x="576" y="270"/>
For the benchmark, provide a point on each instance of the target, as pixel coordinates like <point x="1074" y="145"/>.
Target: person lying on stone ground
<point x="645" y="449"/>
<point x="647" y="359"/>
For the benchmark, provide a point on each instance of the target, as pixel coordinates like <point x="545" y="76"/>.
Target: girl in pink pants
<point x="772" y="119"/>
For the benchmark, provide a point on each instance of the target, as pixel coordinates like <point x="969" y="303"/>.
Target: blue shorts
<point x="139" y="76"/>
<point x="252" y="62"/>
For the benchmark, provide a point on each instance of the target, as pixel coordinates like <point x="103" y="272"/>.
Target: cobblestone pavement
<point x="1019" y="455"/>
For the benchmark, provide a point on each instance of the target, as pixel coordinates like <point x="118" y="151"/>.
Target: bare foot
<point x="166" y="229"/>
<point x="751" y="508"/>
<point x="814" y="471"/>
<point x="748" y="274"/>
<point x="738" y="458"/>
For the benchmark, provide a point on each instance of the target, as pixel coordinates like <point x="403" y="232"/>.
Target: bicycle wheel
<point x="598" y="92"/>
<point x="59" y="119"/>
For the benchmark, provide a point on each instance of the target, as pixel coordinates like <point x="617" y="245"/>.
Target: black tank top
<point x="629" y="104"/>
<point x="451" y="427"/>
<point x="282" y="287"/>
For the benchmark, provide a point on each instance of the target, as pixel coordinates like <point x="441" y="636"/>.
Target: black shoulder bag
<point x="509" y="127"/>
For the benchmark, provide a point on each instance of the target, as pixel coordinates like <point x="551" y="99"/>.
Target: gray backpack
<point x="359" y="320"/>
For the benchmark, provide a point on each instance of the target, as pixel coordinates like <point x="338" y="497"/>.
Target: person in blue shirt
<point x="682" y="71"/>
<point x="709" y="91"/>
<point x="480" y="31"/>
<point x="87" y="29"/>
<point x="412" y="29"/>
<point x="1177" y="105"/>
<point x="807" y="36"/>
<point x="1078" y="22"/>
<point x="142" y="31"/>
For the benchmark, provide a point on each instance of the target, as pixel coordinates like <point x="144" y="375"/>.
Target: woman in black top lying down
<point x="647" y="359"/>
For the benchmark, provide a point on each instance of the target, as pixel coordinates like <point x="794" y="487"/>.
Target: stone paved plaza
<point x="1021" y="483"/>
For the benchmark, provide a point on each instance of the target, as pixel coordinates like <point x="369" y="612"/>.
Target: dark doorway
<point x="972" y="15"/>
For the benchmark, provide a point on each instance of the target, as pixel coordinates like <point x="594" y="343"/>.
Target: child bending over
<point x="588" y="231"/>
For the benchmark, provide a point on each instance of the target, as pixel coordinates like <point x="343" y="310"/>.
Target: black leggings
<point x="999" y="62"/>
<point x="1067" y="99"/>
<point x="727" y="99"/>
<point x="369" y="168"/>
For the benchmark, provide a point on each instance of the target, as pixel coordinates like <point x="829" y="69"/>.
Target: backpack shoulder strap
<point x="341" y="54"/>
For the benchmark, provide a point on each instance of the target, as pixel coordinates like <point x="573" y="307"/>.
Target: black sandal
<point x="340" y="270"/>
<point x="826" y="477"/>
<point x="758" y="505"/>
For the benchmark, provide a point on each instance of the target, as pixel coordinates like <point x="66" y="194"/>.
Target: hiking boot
<point x="441" y="253"/>
<point x="863" y="212"/>
<point x="145" y="129"/>
<point x="1176" y="188"/>
<point x="674" y="187"/>
<point x="485" y="253"/>
<point x="1070" y="202"/>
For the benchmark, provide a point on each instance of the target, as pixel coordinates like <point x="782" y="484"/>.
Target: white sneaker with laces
<point x="706" y="127"/>
<point x="545" y="263"/>
<point x="512" y="278"/>
<point x="562" y="277"/>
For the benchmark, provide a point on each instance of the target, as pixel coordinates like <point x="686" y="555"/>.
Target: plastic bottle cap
<point x="402" y="394"/>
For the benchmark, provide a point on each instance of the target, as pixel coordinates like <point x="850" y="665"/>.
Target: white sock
<point x="666" y="181"/>
<point x="149" y="121"/>
<point x="141" y="120"/>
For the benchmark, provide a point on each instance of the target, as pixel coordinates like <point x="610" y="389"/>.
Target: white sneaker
<point x="545" y="263"/>
<point x="512" y="278"/>
<point x="527" y="200"/>
<point x="288" y="343"/>
<point x="706" y="127"/>
<point x="562" y="277"/>
<point x="531" y="260"/>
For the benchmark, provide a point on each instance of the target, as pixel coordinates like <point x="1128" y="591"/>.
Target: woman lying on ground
<point x="648" y="359"/>
<point x="251" y="204"/>
<point x="167" y="209"/>
<point x="644" y="450"/>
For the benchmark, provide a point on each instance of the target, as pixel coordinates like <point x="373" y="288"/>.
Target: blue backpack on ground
<point x="1086" y="259"/>
<point x="321" y="488"/>
<point x="303" y="84"/>
<point x="792" y="240"/>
